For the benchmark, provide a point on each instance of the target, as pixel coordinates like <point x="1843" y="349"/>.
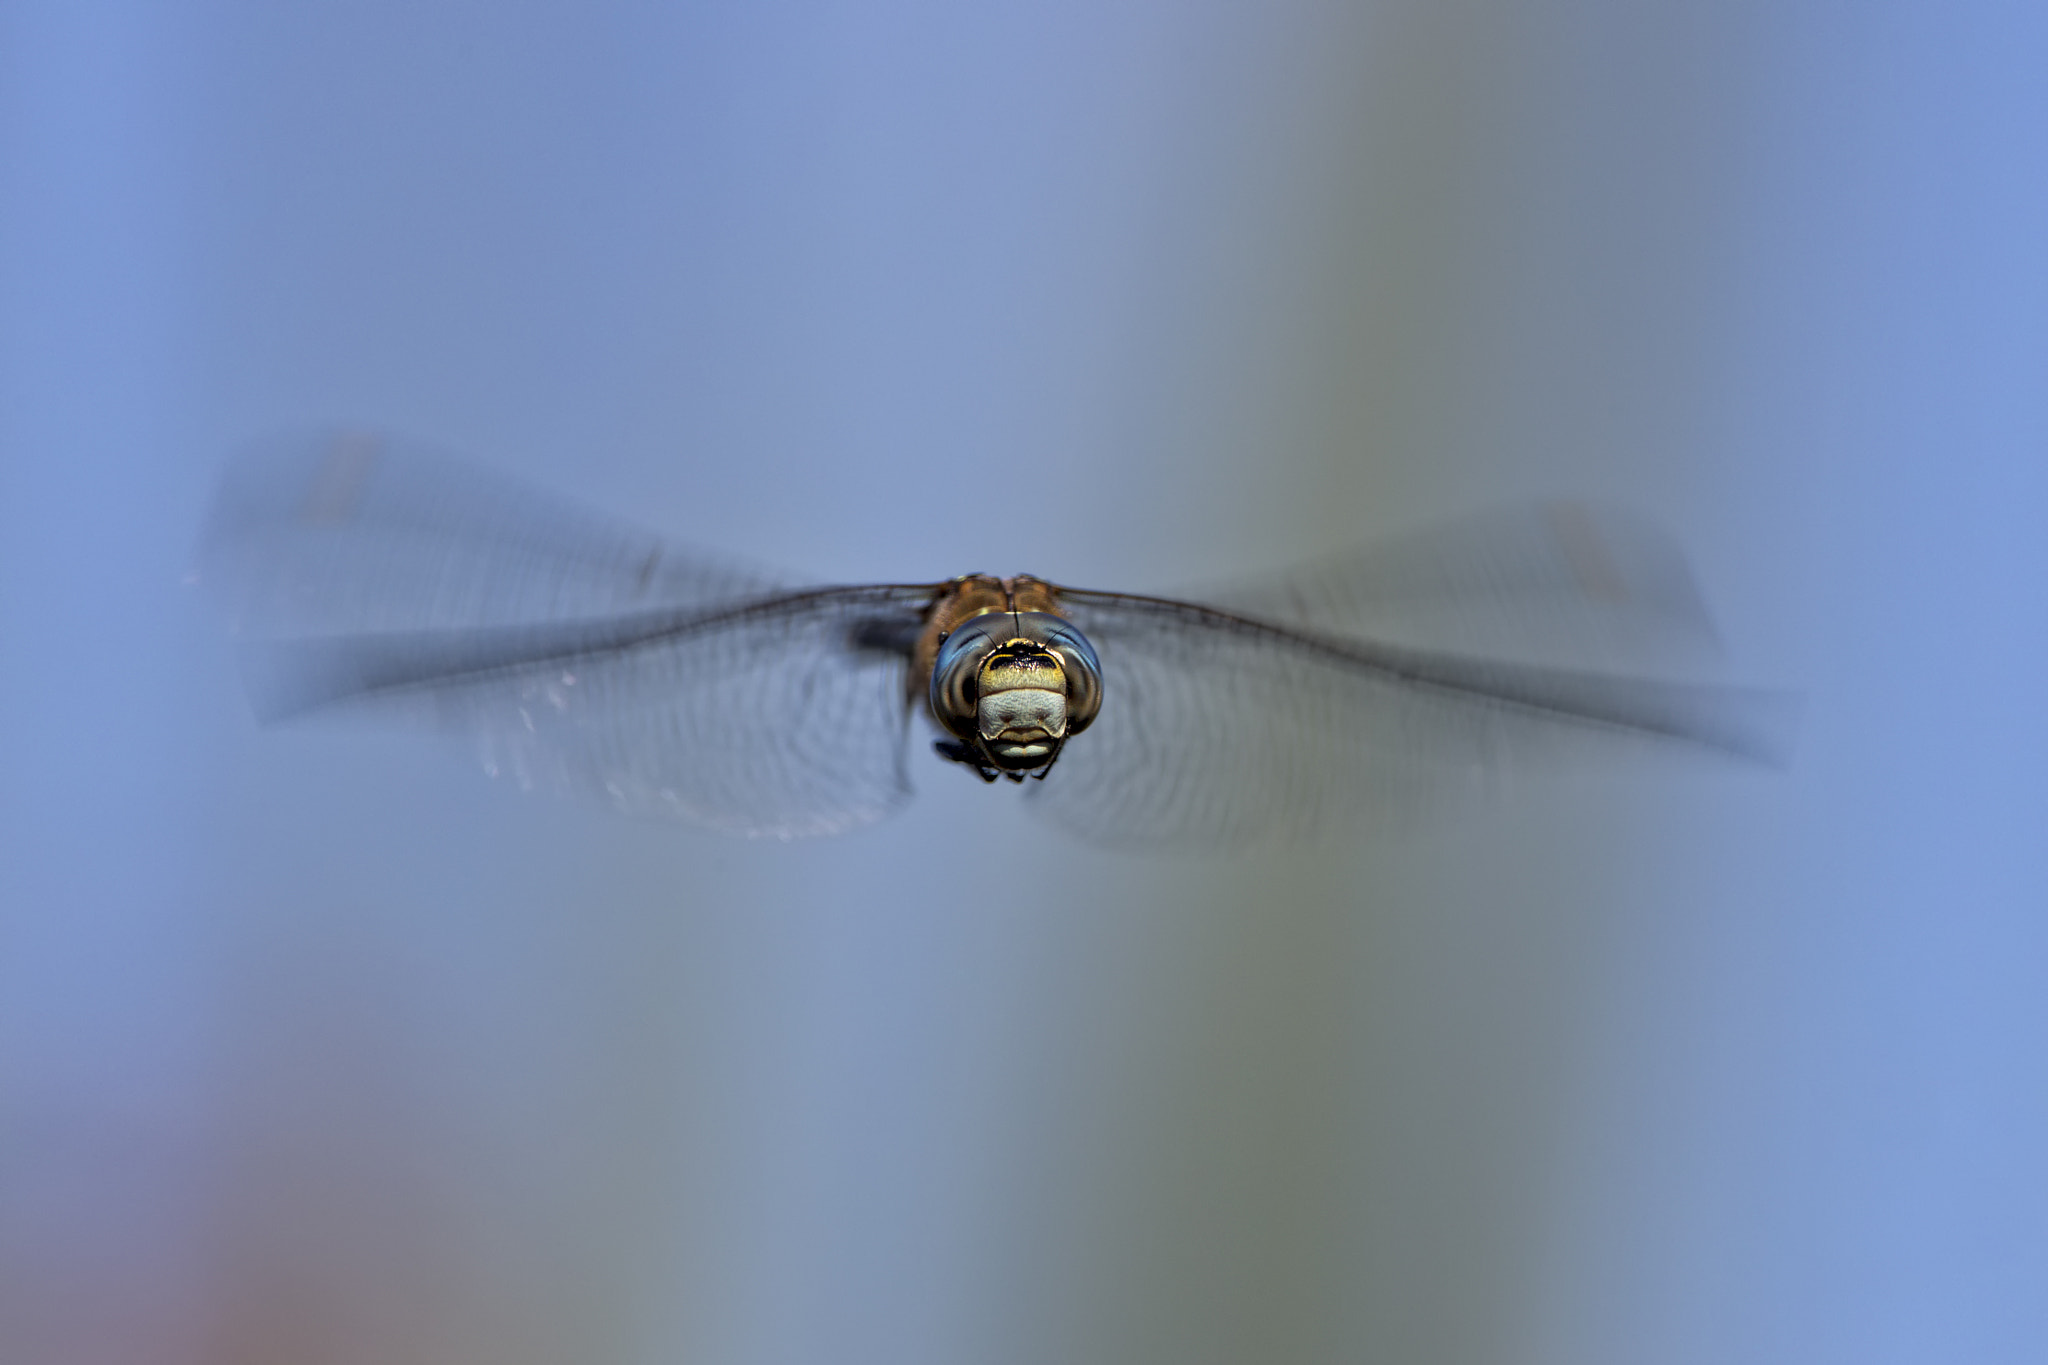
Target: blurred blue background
<point x="317" y="1047"/>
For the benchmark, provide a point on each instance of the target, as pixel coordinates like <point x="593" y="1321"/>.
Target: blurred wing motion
<point x="579" y="654"/>
<point x="1220" y="728"/>
<point x="1579" y="586"/>
<point x="584" y="655"/>
<point x="354" y="532"/>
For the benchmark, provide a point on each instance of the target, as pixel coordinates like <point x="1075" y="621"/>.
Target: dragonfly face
<point x="581" y="654"/>
<point x="1011" y="683"/>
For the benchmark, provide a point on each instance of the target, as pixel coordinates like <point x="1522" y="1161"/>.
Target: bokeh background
<point x="316" y="1047"/>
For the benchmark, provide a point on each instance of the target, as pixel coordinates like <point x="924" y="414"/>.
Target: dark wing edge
<point x="1222" y="728"/>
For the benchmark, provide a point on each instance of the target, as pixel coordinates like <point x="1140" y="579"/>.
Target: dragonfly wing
<point x="578" y="653"/>
<point x="353" y="532"/>
<point x="776" y="718"/>
<point x="1560" y="582"/>
<point x="1217" y="728"/>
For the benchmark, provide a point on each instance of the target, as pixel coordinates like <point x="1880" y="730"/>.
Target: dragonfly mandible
<point x="584" y="654"/>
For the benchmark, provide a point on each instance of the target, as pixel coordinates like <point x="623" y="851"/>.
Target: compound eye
<point x="956" y="673"/>
<point x="1084" y="676"/>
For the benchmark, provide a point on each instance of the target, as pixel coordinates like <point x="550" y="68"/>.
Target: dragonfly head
<point x="1015" y="686"/>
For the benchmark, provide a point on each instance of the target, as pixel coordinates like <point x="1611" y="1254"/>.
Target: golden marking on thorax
<point x="965" y="598"/>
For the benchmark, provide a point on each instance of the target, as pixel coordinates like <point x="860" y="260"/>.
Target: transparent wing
<point x="1555" y="582"/>
<point x="775" y="718"/>
<point x="578" y="654"/>
<point x="1220" y="729"/>
<point x="353" y="531"/>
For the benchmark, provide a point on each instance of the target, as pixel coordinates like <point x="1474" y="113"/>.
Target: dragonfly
<point x="580" y="653"/>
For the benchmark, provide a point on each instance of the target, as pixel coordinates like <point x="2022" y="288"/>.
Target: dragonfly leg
<point x="955" y="751"/>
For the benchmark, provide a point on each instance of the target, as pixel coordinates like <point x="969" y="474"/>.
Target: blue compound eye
<point x="956" y="673"/>
<point x="1084" y="675"/>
